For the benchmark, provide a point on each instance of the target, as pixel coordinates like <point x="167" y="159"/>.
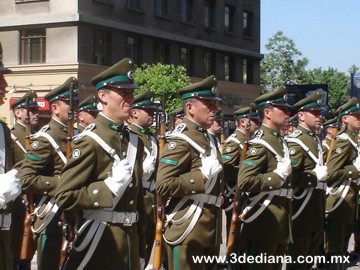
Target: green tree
<point x="283" y="64"/>
<point x="161" y="77"/>
<point x="338" y="82"/>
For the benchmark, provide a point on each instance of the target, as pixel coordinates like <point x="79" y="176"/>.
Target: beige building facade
<point x="47" y="41"/>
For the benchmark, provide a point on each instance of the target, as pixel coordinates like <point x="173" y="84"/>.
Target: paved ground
<point x="354" y="264"/>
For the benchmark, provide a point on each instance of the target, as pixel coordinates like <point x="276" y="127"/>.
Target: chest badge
<point x="76" y="153"/>
<point x="172" y="145"/>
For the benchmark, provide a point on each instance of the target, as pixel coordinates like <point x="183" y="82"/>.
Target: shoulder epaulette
<point x="296" y="133"/>
<point x="90" y="127"/>
<point x="343" y="136"/>
<point x="180" y="128"/>
<point x="228" y="139"/>
<point x="11" y="127"/>
<point x="258" y="134"/>
<point x="44" y="128"/>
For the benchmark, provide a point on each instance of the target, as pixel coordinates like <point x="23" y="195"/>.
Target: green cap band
<point x="245" y="115"/>
<point x="197" y="93"/>
<point x="143" y="102"/>
<point x="31" y="102"/>
<point x="67" y="93"/>
<point x="353" y="108"/>
<point x="269" y="101"/>
<point x="87" y="106"/>
<point x="119" y="78"/>
<point x="312" y="104"/>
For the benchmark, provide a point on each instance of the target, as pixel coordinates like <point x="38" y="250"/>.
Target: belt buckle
<point x="127" y="221"/>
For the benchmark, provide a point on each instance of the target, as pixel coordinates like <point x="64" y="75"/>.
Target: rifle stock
<point x="68" y="234"/>
<point x="237" y="197"/>
<point x="160" y="206"/>
<point x="27" y="250"/>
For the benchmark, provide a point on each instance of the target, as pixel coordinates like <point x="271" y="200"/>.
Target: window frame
<point x="27" y="44"/>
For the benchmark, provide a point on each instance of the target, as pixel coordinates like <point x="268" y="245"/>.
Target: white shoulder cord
<point x="97" y="227"/>
<point x="270" y="194"/>
<point x="16" y="140"/>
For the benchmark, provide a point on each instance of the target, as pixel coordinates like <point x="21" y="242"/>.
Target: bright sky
<point x="327" y="32"/>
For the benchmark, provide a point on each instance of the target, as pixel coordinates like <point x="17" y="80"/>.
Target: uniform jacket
<point x="41" y="168"/>
<point x="82" y="187"/>
<point x="304" y="177"/>
<point x="20" y="133"/>
<point x="256" y="175"/>
<point x="179" y="175"/>
<point x="341" y="168"/>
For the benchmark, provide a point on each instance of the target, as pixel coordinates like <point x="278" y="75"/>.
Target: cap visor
<point x="209" y="98"/>
<point x="122" y="86"/>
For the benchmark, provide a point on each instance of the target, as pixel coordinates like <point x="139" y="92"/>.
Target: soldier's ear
<point x="103" y="96"/>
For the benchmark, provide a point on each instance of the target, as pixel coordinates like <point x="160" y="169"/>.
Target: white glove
<point x="210" y="166"/>
<point x="321" y="173"/>
<point x="121" y="176"/>
<point x="148" y="167"/>
<point x="283" y="168"/>
<point x="10" y="187"/>
<point x="357" y="163"/>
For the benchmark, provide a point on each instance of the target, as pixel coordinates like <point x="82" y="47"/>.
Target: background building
<point x="46" y="41"/>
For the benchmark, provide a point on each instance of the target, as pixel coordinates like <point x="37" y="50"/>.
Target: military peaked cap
<point x="294" y="120"/>
<point x="62" y="92"/>
<point x="244" y="112"/>
<point x="312" y="103"/>
<point x="144" y="100"/>
<point x="178" y="112"/>
<point x="205" y="89"/>
<point x="21" y="102"/>
<point x="330" y="123"/>
<point x="350" y="107"/>
<point x="120" y="75"/>
<point x="274" y="98"/>
<point x="3" y="69"/>
<point x="89" y="104"/>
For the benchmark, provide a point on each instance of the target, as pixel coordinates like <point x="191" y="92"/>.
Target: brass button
<point x="131" y="185"/>
<point x="269" y="178"/>
<point x="192" y="181"/>
<point x="96" y="204"/>
<point x="131" y="202"/>
<point x="270" y="187"/>
<point x="95" y="191"/>
<point x="47" y="183"/>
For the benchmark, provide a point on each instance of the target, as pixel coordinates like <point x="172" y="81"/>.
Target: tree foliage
<point x="160" y="77"/>
<point x="283" y="64"/>
<point x="338" y="82"/>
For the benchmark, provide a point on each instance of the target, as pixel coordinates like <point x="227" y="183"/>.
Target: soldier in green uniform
<point x="309" y="177"/>
<point x="18" y="135"/>
<point x="293" y="123"/>
<point x="40" y="172"/>
<point x="328" y="126"/>
<point x="87" y="112"/>
<point x="10" y="187"/>
<point x="176" y="118"/>
<point x="233" y="146"/>
<point x="103" y="178"/>
<point x="343" y="171"/>
<point x="190" y="172"/>
<point x="142" y="118"/>
<point x="265" y="175"/>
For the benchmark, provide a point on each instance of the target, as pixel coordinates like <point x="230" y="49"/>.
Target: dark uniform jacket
<point x="82" y="187"/>
<point x="19" y="131"/>
<point x="303" y="178"/>
<point x="41" y="168"/>
<point x="256" y="175"/>
<point x="179" y="175"/>
<point x="341" y="168"/>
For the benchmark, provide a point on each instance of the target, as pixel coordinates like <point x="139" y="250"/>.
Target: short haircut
<point x="262" y="108"/>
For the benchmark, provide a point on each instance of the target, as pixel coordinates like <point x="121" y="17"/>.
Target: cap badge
<point x="213" y="89"/>
<point x="319" y="101"/>
<point x="130" y="75"/>
<point x="285" y="97"/>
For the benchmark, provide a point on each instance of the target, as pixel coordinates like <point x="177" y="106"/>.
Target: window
<point x="247" y="71"/>
<point x="186" y="59"/>
<point x="25" y="1"/>
<point x="134" y="4"/>
<point x="186" y="10"/>
<point x="229" y="18"/>
<point x="133" y="49"/>
<point x="101" y="48"/>
<point x="229" y="68"/>
<point x="161" y="53"/>
<point x="209" y="13"/>
<point x="33" y="46"/>
<point x="161" y="7"/>
<point x="209" y="64"/>
<point x="247" y="23"/>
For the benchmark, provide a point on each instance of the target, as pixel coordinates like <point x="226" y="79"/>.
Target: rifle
<point x="239" y="197"/>
<point x="222" y="134"/>
<point x="160" y="206"/>
<point x="68" y="224"/>
<point x="334" y="133"/>
<point x="27" y="250"/>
